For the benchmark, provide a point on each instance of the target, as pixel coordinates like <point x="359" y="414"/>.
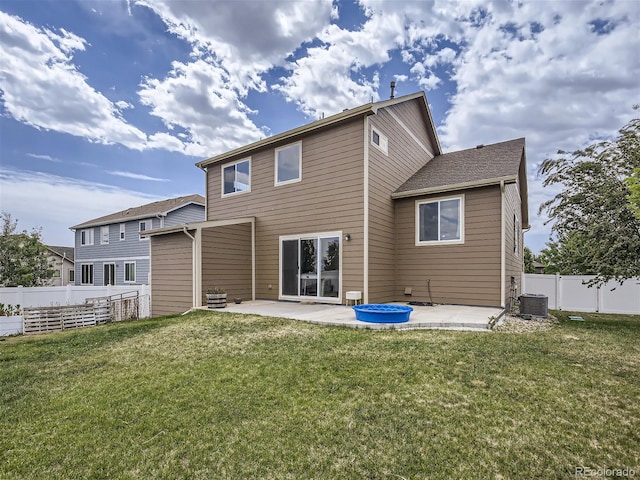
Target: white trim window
<point x="440" y="221"/>
<point x="86" y="270"/>
<point x="379" y="141"/>
<point x="122" y="231"/>
<point x="72" y="275"/>
<point x="129" y="272"/>
<point x="236" y="177"/>
<point x="104" y="235"/>
<point x="143" y="226"/>
<point x="288" y="166"/>
<point x="86" y="237"/>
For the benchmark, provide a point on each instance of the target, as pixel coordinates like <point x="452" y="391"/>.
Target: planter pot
<point x="216" y="300"/>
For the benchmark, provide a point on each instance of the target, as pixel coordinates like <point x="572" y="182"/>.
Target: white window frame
<point x="90" y="267"/>
<point x="148" y="225"/>
<point x="383" y="142"/>
<point x="229" y="165"/>
<point x="293" y="180"/>
<point x="438" y="200"/>
<point x="122" y="231"/>
<point x="134" y="272"/>
<point x="104" y="235"/>
<point x="86" y="237"/>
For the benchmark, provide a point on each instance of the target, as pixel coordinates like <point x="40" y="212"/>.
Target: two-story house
<point x="61" y="261"/>
<point x="362" y="201"/>
<point x="113" y="250"/>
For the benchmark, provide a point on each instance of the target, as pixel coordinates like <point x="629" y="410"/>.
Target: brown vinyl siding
<point x="386" y="174"/>
<point x="415" y="119"/>
<point x="513" y="261"/>
<point x="171" y="274"/>
<point x="467" y="273"/>
<point x="329" y="198"/>
<point x="226" y="260"/>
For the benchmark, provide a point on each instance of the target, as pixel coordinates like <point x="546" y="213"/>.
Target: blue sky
<point x="106" y="105"/>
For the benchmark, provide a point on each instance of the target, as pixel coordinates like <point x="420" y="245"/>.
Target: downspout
<point x="194" y="278"/>
<point x="161" y="218"/>
<point x="365" y="239"/>
<point x="503" y="245"/>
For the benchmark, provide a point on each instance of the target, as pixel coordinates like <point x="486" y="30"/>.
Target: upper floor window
<point x="440" y="221"/>
<point x="236" y="177"/>
<point x="86" y="237"/>
<point x="144" y="226"/>
<point x="122" y="227"/>
<point x="289" y="164"/>
<point x="104" y="235"/>
<point x="379" y="141"/>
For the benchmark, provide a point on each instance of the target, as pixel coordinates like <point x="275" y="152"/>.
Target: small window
<point x="87" y="274"/>
<point x="440" y="221"/>
<point x="104" y="235"/>
<point x="122" y="226"/>
<point x="86" y="237"/>
<point x="236" y="177"/>
<point x="72" y="275"/>
<point x="144" y="226"/>
<point x="379" y="141"/>
<point x="289" y="164"/>
<point x="130" y="272"/>
<point x="56" y="273"/>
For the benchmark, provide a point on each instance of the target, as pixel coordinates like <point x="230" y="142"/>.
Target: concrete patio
<point x="452" y="317"/>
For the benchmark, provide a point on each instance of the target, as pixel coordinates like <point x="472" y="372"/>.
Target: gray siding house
<point x="110" y="250"/>
<point x="61" y="262"/>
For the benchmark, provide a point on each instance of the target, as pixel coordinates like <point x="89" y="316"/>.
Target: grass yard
<point x="220" y="395"/>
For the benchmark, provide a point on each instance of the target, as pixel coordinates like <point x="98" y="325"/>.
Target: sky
<point x="106" y="105"/>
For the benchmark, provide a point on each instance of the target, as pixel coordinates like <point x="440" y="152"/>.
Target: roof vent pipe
<point x="480" y="146"/>
<point x="393" y="87"/>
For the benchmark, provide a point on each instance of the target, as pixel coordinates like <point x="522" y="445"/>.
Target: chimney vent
<point x="393" y="87"/>
<point x="480" y="146"/>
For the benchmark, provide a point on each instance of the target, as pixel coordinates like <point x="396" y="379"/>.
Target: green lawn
<point x="219" y="395"/>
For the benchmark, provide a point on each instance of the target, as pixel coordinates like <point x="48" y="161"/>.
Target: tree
<point x="23" y="257"/>
<point x="593" y="219"/>
<point x="633" y="182"/>
<point x="528" y="261"/>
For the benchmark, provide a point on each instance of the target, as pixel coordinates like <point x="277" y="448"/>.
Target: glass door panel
<point x="109" y="274"/>
<point x="290" y="267"/>
<point x="329" y="267"/>
<point x="309" y="267"/>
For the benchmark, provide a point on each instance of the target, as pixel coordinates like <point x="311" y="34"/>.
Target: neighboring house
<point x="61" y="262"/>
<point x="539" y="266"/>
<point x="361" y="201"/>
<point x="110" y="250"/>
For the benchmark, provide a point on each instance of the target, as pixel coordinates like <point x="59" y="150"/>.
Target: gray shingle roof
<point x="143" y="211"/>
<point x="465" y="167"/>
<point x="64" y="252"/>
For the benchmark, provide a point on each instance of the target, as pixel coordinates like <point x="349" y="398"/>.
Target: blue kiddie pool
<point x="382" y="313"/>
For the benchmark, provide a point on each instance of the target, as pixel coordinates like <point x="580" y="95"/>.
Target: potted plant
<point x="216" y="298"/>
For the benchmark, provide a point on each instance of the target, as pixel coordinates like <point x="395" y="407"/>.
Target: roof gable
<point x="161" y="207"/>
<point x="62" y="252"/>
<point x="333" y="120"/>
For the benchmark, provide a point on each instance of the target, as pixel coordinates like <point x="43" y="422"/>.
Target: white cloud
<point x="61" y="202"/>
<point x="136" y="176"/>
<point x="48" y="158"/>
<point x="41" y="86"/>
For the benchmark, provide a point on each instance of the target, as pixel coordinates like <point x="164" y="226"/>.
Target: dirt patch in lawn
<point x="514" y="324"/>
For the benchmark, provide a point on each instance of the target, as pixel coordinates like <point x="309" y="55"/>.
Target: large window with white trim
<point x="86" y="271"/>
<point x="86" y="237"/>
<point x="129" y="272"/>
<point x="236" y="177"/>
<point x="289" y="164"/>
<point x="440" y="221"/>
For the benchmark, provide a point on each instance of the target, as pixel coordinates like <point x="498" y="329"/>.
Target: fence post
<point x="19" y="295"/>
<point x="558" y="291"/>
<point x="68" y="294"/>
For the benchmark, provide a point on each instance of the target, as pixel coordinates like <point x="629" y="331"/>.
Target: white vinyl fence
<point x="569" y="292"/>
<point x="68" y="295"/>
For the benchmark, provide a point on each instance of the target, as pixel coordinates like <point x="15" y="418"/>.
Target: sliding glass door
<point x="310" y="266"/>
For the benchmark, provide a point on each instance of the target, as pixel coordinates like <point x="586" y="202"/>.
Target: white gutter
<point x="503" y="246"/>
